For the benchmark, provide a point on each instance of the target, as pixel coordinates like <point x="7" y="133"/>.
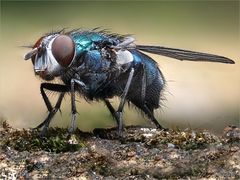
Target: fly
<point x="100" y="65"/>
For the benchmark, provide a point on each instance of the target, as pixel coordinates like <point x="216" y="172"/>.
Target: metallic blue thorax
<point x="86" y="41"/>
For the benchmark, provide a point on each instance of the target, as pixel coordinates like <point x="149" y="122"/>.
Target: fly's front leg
<point x="73" y="102"/>
<point x="44" y="96"/>
<point x="52" y="110"/>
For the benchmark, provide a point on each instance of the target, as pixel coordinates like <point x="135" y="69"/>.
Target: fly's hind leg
<point x="112" y="110"/>
<point x="150" y="115"/>
<point x="118" y="114"/>
<point x="148" y="111"/>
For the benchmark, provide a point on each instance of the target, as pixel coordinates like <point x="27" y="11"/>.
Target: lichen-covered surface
<point x="143" y="153"/>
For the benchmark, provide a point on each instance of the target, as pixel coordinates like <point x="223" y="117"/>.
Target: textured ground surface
<point x="143" y="153"/>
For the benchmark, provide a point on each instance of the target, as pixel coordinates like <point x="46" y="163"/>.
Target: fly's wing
<point x="184" y="54"/>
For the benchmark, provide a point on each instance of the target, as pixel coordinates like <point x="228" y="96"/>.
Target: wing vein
<point x="184" y="54"/>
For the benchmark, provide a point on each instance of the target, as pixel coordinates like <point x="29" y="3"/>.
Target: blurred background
<point x="198" y="94"/>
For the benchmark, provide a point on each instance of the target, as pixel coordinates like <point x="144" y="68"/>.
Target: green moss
<point x="56" y="140"/>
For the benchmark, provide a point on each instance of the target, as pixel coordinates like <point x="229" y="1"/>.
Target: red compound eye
<point x="63" y="50"/>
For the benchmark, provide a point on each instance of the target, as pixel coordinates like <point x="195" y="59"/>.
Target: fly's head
<point x="51" y="55"/>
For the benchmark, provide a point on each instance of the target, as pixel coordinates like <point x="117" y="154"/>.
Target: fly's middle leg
<point x="83" y="87"/>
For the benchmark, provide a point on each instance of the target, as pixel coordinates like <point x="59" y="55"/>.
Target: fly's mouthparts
<point x="40" y="70"/>
<point x="42" y="74"/>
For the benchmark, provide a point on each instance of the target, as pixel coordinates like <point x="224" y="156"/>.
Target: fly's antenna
<point x="26" y="46"/>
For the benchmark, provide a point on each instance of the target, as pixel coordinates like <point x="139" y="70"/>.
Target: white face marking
<point x="47" y="61"/>
<point x="124" y="57"/>
<point x="52" y="65"/>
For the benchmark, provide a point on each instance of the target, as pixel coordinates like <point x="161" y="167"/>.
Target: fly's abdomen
<point x="153" y="82"/>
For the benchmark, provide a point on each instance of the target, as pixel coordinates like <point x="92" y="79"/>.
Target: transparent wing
<point x="184" y="54"/>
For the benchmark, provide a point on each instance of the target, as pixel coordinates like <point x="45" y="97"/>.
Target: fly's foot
<point x="159" y="127"/>
<point x="165" y="129"/>
<point x="72" y="127"/>
<point x="45" y="124"/>
<point x="43" y="131"/>
<point x="118" y="116"/>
